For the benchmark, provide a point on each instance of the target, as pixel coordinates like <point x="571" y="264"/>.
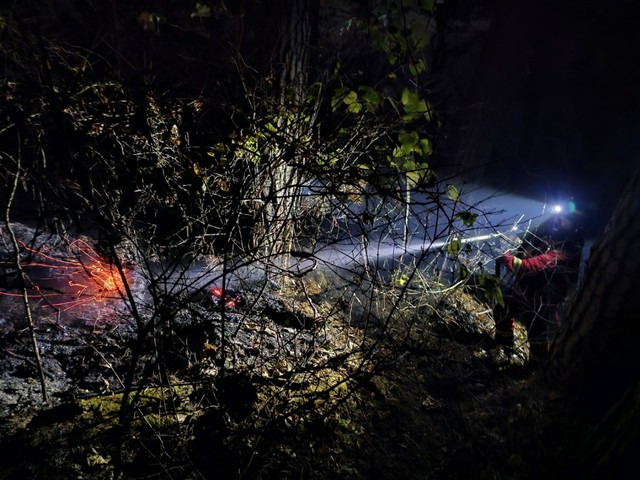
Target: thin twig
<point x="23" y="279"/>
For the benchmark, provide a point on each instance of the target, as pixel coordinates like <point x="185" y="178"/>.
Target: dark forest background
<point x="211" y="153"/>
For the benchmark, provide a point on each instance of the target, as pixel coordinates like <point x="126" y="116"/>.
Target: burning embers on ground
<point x="228" y="298"/>
<point x="80" y="277"/>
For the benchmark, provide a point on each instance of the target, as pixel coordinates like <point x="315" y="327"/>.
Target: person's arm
<point x="538" y="263"/>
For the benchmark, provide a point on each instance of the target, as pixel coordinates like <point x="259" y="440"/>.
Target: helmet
<point x="563" y="228"/>
<point x="565" y="207"/>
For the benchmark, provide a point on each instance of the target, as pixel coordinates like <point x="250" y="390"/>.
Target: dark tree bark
<point x="285" y="181"/>
<point x="596" y="355"/>
<point x="289" y="35"/>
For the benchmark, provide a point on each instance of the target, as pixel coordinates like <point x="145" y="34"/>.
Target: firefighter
<point x="546" y="268"/>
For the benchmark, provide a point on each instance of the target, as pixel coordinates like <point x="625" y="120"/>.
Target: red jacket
<point x="538" y="263"/>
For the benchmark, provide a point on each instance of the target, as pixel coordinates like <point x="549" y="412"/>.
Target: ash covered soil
<point x="284" y="384"/>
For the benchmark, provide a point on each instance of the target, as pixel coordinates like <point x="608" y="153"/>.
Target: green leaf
<point x="370" y="97"/>
<point x="408" y="140"/>
<point x="406" y="96"/>
<point x="491" y="285"/>
<point x="350" y="97"/>
<point x="415" y="173"/>
<point x="414" y="177"/>
<point x="454" y="246"/>
<point x="369" y="94"/>
<point x="416" y="68"/>
<point x="354" y="107"/>
<point x="453" y="193"/>
<point x="414" y="106"/>
<point x="468" y="218"/>
<point x="425" y="147"/>
<point x="398" y="152"/>
<point x="409" y="166"/>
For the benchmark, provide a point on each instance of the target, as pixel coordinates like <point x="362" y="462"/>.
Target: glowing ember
<point x="91" y="277"/>
<point x="231" y="298"/>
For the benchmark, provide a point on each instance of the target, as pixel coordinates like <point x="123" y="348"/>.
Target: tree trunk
<point x="283" y="188"/>
<point x="596" y="356"/>
<point x="596" y="353"/>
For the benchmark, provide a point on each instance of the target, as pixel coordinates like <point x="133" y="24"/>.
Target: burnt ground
<point x="279" y="386"/>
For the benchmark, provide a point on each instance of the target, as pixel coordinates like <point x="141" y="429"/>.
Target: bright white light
<point x="557" y="208"/>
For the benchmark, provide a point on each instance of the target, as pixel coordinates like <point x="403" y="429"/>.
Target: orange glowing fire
<point x="91" y="277"/>
<point x="230" y="299"/>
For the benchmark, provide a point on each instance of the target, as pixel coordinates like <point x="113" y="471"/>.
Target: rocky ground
<point x="279" y="385"/>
